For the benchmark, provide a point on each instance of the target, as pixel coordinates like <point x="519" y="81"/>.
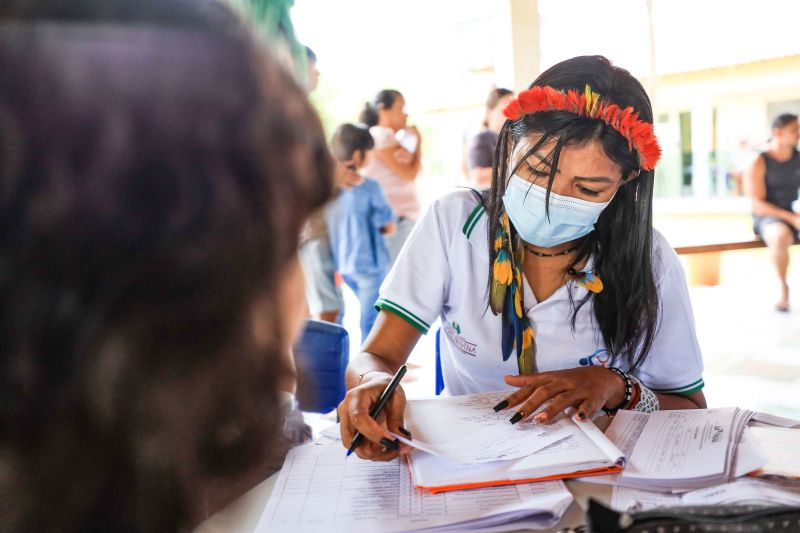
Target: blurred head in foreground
<point x="153" y="182"/>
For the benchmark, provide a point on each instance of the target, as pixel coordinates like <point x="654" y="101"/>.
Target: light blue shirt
<point x="354" y="221"/>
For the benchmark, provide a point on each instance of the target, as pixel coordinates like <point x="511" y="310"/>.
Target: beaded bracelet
<point x="637" y="394"/>
<point x="628" y="391"/>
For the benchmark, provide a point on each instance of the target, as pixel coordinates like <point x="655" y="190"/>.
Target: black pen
<point x="378" y="407"/>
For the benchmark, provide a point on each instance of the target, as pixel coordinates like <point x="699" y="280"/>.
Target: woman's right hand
<point x="354" y="416"/>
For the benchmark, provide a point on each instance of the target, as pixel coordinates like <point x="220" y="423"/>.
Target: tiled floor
<point x="751" y="352"/>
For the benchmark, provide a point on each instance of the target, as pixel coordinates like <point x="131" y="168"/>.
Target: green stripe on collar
<point x="472" y="220"/>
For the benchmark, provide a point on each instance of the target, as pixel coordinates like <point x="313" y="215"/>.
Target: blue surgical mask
<point x="570" y="218"/>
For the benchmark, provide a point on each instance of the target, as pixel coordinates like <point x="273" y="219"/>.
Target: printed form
<point x="319" y="487"/>
<point x="683" y="450"/>
<point x="678" y="444"/>
<point x="465" y="429"/>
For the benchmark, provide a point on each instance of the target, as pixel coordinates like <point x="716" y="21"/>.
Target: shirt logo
<point x="599" y="358"/>
<point x="453" y="332"/>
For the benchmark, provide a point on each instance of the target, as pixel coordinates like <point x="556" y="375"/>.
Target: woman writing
<point x="394" y="165"/>
<point x="554" y="281"/>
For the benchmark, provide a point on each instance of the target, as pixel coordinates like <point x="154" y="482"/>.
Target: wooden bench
<point x="704" y="259"/>
<point x="719" y="247"/>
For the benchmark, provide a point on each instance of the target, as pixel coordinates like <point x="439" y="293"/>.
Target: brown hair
<point x="495" y="95"/>
<point x="783" y="120"/>
<point x="383" y="100"/>
<point x="154" y="182"/>
<point x="349" y="139"/>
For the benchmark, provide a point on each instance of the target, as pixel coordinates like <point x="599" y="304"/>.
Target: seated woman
<point x="154" y="183"/>
<point x="772" y="182"/>
<point x="554" y="281"/>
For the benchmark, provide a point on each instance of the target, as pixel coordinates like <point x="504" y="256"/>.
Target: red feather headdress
<point x="639" y="134"/>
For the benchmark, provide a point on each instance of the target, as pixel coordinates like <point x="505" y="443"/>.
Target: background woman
<point x="772" y="182"/>
<point x="482" y="145"/>
<point x="393" y="165"/>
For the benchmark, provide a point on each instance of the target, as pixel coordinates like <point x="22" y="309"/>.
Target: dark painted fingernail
<point x="404" y="431"/>
<point x="501" y="405"/>
<point x="517" y="417"/>
<point x="581" y="415"/>
<point x="391" y="444"/>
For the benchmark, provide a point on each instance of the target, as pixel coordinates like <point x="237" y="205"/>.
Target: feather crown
<point x="638" y="133"/>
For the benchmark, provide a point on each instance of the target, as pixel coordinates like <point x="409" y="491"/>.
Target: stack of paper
<point x="681" y="450"/>
<point x="774" y="421"/>
<point x="781" y="446"/>
<point x="319" y="489"/>
<point x="461" y="443"/>
<point x="744" y="491"/>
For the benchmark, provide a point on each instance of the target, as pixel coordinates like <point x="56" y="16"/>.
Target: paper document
<point x="466" y="429"/>
<point x="461" y="443"/>
<point x="745" y="491"/>
<point x="681" y="450"/>
<point x="781" y="446"/>
<point x="629" y="500"/>
<point x="319" y="489"/>
<point x="767" y="420"/>
<point x="749" y="456"/>
<point x="686" y="442"/>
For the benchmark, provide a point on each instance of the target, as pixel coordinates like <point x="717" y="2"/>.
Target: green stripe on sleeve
<point x="402" y="312"/>
<point x="686" y="390"/>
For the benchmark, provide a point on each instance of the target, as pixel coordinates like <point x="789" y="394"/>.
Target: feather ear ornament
<point x="589" y="281"/>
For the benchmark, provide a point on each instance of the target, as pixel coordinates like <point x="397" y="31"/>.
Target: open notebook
<point x="462" y="443"/>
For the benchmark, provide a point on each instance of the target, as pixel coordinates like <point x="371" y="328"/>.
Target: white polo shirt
<point x="443" y="271"/>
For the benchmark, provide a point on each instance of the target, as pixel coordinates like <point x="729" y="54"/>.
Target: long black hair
<point x="626" y="311"/>
<point x="154" y="182"/>
<point x="383" y="100"/>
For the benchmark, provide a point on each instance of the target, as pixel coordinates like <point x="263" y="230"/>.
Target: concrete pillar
<point x="518" y="55"/>
<point x="702" y="144"/>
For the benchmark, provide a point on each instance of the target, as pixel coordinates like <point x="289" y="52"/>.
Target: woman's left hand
<point x="587" y="389"/>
